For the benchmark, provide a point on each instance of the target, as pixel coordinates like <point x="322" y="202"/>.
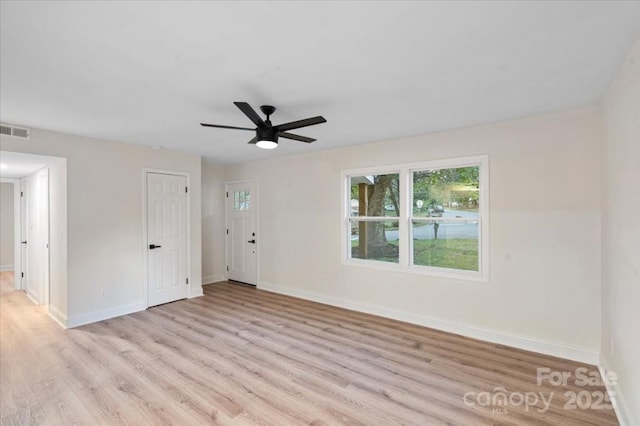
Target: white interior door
<point x="23" y="235"/>
<point x="242" y="241"/>
<point x="36" y="270"/>
<point x="166" y="238"/>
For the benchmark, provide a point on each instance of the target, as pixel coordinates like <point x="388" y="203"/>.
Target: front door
<point x="242" y="241"/>
<point x="166" y="237"/>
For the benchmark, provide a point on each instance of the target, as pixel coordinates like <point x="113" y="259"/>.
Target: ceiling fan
<point x="266" y="133"/>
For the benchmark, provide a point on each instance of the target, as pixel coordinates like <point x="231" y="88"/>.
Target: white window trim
<point x="404" y="220"/>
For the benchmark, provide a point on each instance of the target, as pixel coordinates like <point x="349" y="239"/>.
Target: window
<point x="241" y="200"/>
<point x="426" y="218"/>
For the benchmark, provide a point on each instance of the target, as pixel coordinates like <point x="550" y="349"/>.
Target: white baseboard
<point x="88" y="318"/>
<point x="195" y="292"/>
<point x="31" y="297"/>
<point x="210" y="279"/>
<point x="617" y="398"/>
<point x="58" y="316"/>
<point x="6" y="268"/>
<point x="547" y="348"/>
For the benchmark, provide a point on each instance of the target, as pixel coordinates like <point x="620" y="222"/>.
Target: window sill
<point x="470" y="276"/>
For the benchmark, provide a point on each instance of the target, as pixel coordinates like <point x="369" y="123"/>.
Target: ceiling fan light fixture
<point x="267" y="137"/>
<point x="266" y="133"/>
<point x="266" y="144"/>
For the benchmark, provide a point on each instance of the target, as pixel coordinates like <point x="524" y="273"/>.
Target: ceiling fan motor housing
<point x="267" y="133"/>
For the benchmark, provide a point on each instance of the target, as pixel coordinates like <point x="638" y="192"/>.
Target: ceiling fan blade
<point x="296" y="137"/>
<point x="301" y="123"/>
<point x="225" y="127"/>
<point x="251" y="113"/>
<point x="254" y="140"/>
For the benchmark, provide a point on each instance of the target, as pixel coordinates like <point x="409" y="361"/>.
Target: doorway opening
<point x="39" y="228"/>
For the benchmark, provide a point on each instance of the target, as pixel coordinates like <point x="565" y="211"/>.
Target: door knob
<point x="153" y="246"/>
<point x="252" y="241"/>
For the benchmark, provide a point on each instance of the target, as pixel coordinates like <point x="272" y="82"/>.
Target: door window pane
<point x="241" y="200"/>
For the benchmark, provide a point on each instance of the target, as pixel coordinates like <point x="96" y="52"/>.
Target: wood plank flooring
<point x="243" y="356"/>
<point x="6" y="282"/>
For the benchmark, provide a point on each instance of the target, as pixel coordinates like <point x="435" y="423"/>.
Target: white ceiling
<point x="149" y="72"/>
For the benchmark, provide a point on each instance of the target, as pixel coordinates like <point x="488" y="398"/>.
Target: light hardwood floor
<point x="6" y="282"/>
<point x="244" y="356"/>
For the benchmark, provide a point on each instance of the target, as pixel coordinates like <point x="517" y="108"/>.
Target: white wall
<point x="213" y="226"/>
<point x="621" y="234"/>
<point x="58" y="250"/>
<point x="6" y="227"/>
<point x="544" y="290"/>
<point x="104" y="187"/>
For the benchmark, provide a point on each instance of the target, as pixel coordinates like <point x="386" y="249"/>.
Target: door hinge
<point x="227" y="194"/>
<point x="227" y="231"/>
<point x="186" y="189"/>
<point x="227" y="268"/>
<point x="21" y="274"/>
<point x="21" y="194"/>
<point x="187" y="280"/>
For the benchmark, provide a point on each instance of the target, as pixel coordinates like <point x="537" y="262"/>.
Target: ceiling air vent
<point x="18" y="132"/>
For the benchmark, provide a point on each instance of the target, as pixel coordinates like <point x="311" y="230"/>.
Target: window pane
<point x="446" y="192"/>
<point x="375" y="195"/>
<point x="446" y="244"/>
<point x="247" y="200"/>
<point x="375" y="240"/>
<point x="236" y="200"/>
